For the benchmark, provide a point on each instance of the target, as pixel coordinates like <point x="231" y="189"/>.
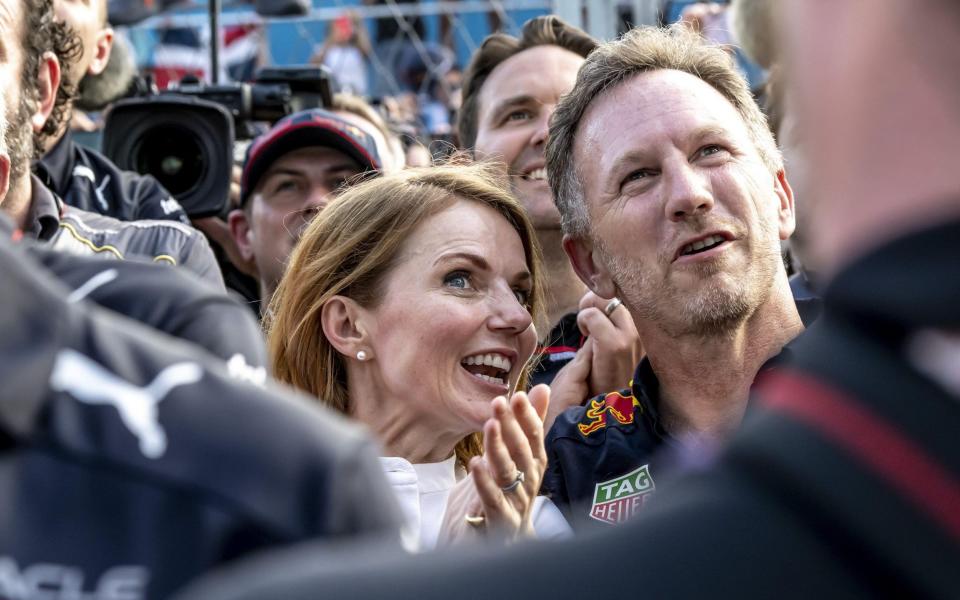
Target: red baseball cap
<point x="313" y="127"/>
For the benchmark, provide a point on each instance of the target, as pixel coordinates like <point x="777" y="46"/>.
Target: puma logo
<point x="90" y="383"/>
<point x="238" y="368"/>
<point x="170" y="205"/>
<point x="97" y="281"/>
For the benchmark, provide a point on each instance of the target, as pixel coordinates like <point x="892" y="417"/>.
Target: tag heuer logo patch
<point x="617" y="500"/>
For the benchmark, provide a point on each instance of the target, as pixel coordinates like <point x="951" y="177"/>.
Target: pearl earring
<point x="361" y="355"/>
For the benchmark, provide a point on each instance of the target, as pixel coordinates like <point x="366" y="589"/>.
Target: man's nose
<point x="542" y="127"/>
<point x="318" y="197"/>
<point x="688" y="192"/>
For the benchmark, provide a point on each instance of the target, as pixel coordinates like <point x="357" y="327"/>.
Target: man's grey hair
<point x="641" y="50"/>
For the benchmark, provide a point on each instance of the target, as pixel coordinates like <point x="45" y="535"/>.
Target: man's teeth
<point x="536" y="174"/>
<point x="713" y="240"/>
<point x="495" y="380"/>
<point x="491" y="360"/>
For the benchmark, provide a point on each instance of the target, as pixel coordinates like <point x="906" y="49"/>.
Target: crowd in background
<point x="410" y="73"/>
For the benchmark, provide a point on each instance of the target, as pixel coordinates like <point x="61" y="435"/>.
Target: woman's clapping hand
<point x="496" y="500"/>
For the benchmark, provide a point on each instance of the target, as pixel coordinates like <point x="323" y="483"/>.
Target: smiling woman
<point x="410" y="304"/>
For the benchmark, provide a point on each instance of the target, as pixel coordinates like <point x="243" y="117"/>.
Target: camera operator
<point x="36" y="104"/>
<point x="83" y="177"/>
<point x="290" y="174"/>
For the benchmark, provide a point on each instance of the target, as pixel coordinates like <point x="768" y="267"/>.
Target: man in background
<point x="83" y="177"/>
<point x="290" y="174"/>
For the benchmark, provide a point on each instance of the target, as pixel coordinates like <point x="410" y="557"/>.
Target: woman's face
<point x="452" y="330"/>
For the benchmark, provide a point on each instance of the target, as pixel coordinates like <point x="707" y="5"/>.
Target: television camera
<point x="185" y="136"/>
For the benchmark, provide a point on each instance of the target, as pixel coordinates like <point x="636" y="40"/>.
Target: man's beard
<point x="721" y="302"/>
<point x="19" y="137"/>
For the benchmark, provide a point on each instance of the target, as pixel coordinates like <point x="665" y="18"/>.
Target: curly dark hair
<point x="40" y="33"/>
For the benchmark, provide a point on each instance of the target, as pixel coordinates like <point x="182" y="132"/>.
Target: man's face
<point x="515" y="104"/>
<point x="88" y="19"/>
<point x="19" y="107"/>
<point x="292" y="191"/>
<point x="685" y="217"/>
<point x="11" y="57"/>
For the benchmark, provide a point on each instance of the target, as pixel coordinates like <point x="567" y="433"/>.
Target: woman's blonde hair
<point x="350" y="249"/>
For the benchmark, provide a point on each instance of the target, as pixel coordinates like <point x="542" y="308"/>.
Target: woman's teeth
<point x="492" y="368"/>
<point x="496" y="361"/>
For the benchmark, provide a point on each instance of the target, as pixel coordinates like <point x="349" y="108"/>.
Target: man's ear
<point x="101" y="51"/>
<point x="48" y="82"/>
<point x="242" y="233"/>
<point x="343" y="322"/>
<point x="787" y="216"/>
<point x="592" y="272"/>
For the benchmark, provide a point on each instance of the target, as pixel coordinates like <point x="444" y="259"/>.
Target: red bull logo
<point x="615" y="405"/>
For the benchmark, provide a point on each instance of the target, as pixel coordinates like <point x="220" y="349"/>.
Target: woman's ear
<point x="342" y="320"/>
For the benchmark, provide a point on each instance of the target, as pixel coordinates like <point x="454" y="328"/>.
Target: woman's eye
<point x="523" y="296"/>
<point x="458" y="279"/>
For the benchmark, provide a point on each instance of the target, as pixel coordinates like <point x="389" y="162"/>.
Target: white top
<point x="422" y="492"/>
<point x="349" y="67"/>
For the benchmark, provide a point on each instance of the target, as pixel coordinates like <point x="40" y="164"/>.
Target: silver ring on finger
<point x="515" y="483"/>
<point x="612" y="306"/>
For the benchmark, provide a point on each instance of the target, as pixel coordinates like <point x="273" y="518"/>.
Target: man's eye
<point x="637" y="175"/>
<point x="287" y="185"/>
<point x="710" y="150"/>
<point x="458" y="279"/>
<point x="518" y="115"/>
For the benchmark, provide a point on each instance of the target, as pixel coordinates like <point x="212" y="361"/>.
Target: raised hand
<point x="617" y="348"/>
<point x="605" y="362"/>
<point x="496" y="498"/>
